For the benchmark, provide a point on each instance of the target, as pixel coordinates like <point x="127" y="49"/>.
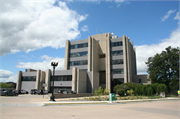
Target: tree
<point x="5" y="85"/>
<point x="164" y="67"/>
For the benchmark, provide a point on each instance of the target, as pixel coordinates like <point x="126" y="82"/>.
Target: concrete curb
<point x="117" y="101"/>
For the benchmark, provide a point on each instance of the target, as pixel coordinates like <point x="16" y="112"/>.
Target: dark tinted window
<point x="118" y="52"/>
<point x="120" y="61"/>
<point x="82" y="62"/>
<point x="78" y="54"/>
<point x="28" y="78"/>
<point x="79" y="46"/>
<point x="117" y="71"/>
<point x="114" y="44"/>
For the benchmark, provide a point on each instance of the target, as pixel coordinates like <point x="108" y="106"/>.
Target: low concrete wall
<point x="72" y="95"/>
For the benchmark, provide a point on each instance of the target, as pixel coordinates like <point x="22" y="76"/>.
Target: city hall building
<point x="100" y="60"/>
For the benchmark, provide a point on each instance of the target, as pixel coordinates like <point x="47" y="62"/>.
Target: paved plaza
<point x="32" y="107"/>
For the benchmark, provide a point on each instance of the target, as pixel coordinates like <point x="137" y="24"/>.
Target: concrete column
<point x="19" y="76"/>
<point x="108" y="65"/>
<point x="42" y="80"/>
<point x="74" y="79"/>
<point x="89" y="53"/>
<point x="124" y="57"/>
<point x="95" y="65"/>
<point x="66" y="61"/>
<point x="128" y="60"/>
<point x="38" y="75"/>
<point x="47" y="79"/>
<point x="81" y="81"/>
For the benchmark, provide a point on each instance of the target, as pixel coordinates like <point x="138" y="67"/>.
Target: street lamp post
<point x="54" y="64"/>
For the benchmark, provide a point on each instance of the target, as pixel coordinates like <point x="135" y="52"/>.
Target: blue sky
<point x="34" y="33"/>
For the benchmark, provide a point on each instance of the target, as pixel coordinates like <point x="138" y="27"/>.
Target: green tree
<point x="164" y="67"/>
<point x="5" y="85"/>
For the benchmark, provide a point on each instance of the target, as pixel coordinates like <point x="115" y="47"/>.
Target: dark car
<point x="34" y="91"/>
<point x="2" y="90"/>
<point x="9" y="93"/>
<point x="40" y="92"/>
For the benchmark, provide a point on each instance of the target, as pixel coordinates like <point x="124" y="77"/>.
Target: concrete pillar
<point x="19" y="76"/>
<point x="125" y="58"/>
<point x="38" y="75"/>
<point x="108" y="65"/>
<point x="47" y="79"/>
<point x="74" y="79"/>
<point x="89" y="54"/>
<point x="81" y="81"/>
<point x="42" y="80"/>
<point x="66" y="61"/>
<point x="128" y="60"/>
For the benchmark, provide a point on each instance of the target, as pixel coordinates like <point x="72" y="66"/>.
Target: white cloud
<point x="27" y="26"/>
<point x="145" y="51"/>
<point x="12" y="78"/>
<point x="118" y="5"/>
<point x="5" y="73"/>
<point x="84" y="28"/>
<point x="168" y="14"/>
<point x="44" y="65"/>
<point x="177" y="17"/>
<point x="6" y="76"/>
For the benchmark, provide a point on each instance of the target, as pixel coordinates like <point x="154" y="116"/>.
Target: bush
<point x="130" y="92"/>
<point x="120" y="92"/>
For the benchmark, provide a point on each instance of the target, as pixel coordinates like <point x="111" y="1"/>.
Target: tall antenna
<point x="96" y="30"/>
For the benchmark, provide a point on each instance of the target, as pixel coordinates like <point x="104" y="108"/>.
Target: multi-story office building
<point x="101" y="60"/>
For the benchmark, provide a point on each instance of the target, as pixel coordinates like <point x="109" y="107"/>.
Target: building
<point x="100" y="60"/>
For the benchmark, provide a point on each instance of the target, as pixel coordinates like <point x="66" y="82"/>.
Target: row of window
<point x="84" y="69"/>
<point x="28" y="78"/>
<point x="119" y="52"/>
<point x="62" y="78"/>
<point x="82" y="62"/>
<point x="120" y="61"/>
<point x="78" y="54"/>
<point x="114" y="44"/>
<point x="79" y="46"/>
<point x="117" y="71"/>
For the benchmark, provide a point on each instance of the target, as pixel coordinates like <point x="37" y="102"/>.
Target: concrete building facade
<point x="100" y="60"/>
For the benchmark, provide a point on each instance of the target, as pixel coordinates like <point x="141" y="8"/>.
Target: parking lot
<point x="31" y="107"/>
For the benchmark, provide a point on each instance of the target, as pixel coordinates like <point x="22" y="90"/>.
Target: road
<point x="31" y="107"/>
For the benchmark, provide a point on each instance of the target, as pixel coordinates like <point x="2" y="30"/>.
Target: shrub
<point x="130" y="92"/>
<point x="120" y="92"/>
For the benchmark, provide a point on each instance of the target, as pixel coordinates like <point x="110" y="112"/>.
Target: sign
<point x="44" y="84"/>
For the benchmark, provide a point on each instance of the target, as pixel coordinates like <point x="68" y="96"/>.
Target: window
<point x="28" y="78"/>
<point x="120" y="61"/>
<point x="119" y="52"/>
<point x="139" y="80"/>
<point x="62" y="78"/>
<point x="78" y="54"/>
<point x="117" y="71"/>
<point x="82" y="62"/>
<point x="79" y="46"/>
<point x="114" y="44"/>
<point x="84" y="69"/>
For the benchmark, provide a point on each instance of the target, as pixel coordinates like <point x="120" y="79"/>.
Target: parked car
<point x="34" y="91"/>
<point x="21" y="92"/>
<point x="62" y="92"/>
<point x="3" y="90"/>
<point x="40" y="92"/>
<point x="9" y="93"/>
<point x="45" y="91"/>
